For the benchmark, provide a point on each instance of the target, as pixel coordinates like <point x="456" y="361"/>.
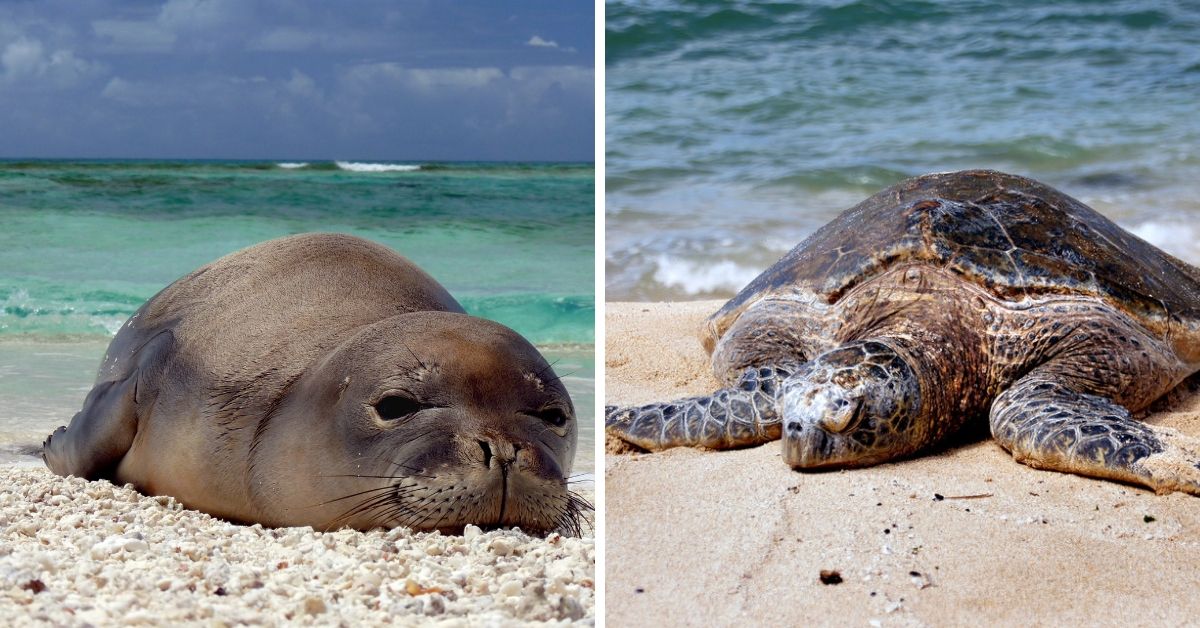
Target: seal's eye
<point x="394" y="407"/>
<point x="553" y="416"/>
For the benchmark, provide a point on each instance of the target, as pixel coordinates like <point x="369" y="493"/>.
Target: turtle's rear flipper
<point x="739" y="416"/>
<point x="1047" y="425"/>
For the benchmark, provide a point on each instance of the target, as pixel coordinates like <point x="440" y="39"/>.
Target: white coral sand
<point x="74" y="552"/>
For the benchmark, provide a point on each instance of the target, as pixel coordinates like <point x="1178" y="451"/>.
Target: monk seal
<point x="324" y="380"/>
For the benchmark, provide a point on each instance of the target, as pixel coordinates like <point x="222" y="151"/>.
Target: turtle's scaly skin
<point x="728" y="418"/>
<point x="945" y="298"/>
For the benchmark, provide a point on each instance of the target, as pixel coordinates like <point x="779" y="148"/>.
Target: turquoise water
<point x="735" y="128"/>
<point x="83" y="244"/>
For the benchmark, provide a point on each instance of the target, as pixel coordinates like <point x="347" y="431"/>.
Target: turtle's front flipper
<point x="1047" y="424"/>
<point x="742" y="415"/>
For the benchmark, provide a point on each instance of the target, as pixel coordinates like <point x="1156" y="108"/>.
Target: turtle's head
<point x="854" y="406"/>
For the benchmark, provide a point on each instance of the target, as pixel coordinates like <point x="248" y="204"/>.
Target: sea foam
<point x="292" y="165"/>
<point x="700" y="278"/>
<point x="358" y="166"/>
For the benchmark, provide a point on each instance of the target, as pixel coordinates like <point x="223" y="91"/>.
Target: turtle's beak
<point x="815" y="416"/>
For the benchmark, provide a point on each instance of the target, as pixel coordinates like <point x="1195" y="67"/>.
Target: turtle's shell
<point x="1013" y="235"/>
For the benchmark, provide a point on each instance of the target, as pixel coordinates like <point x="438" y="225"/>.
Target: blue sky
<point x="265" y="79"/>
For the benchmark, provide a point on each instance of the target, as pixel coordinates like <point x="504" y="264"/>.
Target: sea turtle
<point x="938" y="301"/>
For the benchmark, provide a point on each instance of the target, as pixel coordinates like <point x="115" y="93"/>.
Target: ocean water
<point x="736" y="128"/>
<point x="84" y="243"/>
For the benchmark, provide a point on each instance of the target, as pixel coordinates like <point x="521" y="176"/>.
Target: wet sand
<point x="958" y="537"/>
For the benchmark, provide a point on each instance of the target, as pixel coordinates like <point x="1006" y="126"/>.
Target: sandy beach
<point x="76" y="553"/>
<point x="957" y="537"/>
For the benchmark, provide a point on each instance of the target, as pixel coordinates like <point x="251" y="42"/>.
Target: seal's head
<point x="853" y="406"/>
<point x="430" y="420"/>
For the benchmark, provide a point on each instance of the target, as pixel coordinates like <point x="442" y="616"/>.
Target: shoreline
<point x="957" y="536"/>
<point x="74" y="552"/>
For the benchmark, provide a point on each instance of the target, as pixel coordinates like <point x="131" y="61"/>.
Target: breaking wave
<point x="697" y="278"/>
<point x="360" y="166"/>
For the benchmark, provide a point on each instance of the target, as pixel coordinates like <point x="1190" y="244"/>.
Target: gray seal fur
<point x="325" y="380"/>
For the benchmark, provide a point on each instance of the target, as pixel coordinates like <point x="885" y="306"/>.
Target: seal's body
<point x="325" y="380"/>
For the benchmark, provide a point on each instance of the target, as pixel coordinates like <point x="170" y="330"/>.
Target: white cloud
<point x="302" y="85"/>
<point x="26" y="59"/>
<point x="23" y="57"/>
<point x="538" y="42"/>
<point x="424" y="80"/>
<point x="452" y="78"/>
<point x="268" y="96"/>
<point x="181" y="92"/>
<point x="448" y="81"/>
<point x="485" y="102"/>
<point x="539" y="88"/>
<point x="572" y="76"/>
<point x="202" y="24"/>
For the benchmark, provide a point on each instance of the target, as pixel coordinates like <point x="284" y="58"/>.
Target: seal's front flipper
<point x="740" y="416"/>
<point x="101" y="433"/>
<point x="1047" y="425"/>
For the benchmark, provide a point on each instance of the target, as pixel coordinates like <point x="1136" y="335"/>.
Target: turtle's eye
<point x="553" y="416"/>
<point x="396" y="407"/>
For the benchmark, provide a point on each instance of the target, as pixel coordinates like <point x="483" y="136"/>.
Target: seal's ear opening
<point x="396" y="407"/>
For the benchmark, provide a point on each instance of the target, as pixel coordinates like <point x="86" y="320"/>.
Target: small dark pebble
<point x="219" y="591"/>
<point x="639" y="590"/>
<point x="887" y="530"/>
<point x="915" y="574"/>
<point x="35" y="585"/>
<point x="872" y="594"/>
<point x="1147" y="518"/>
<point x="937" y="497"/>
<point x="830" y="576"/>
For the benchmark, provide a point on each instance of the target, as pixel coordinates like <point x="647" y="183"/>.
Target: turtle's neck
<point x="936" y="322"/>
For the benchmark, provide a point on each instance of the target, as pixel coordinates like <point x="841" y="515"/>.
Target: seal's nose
<point x="499" y="451"/>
